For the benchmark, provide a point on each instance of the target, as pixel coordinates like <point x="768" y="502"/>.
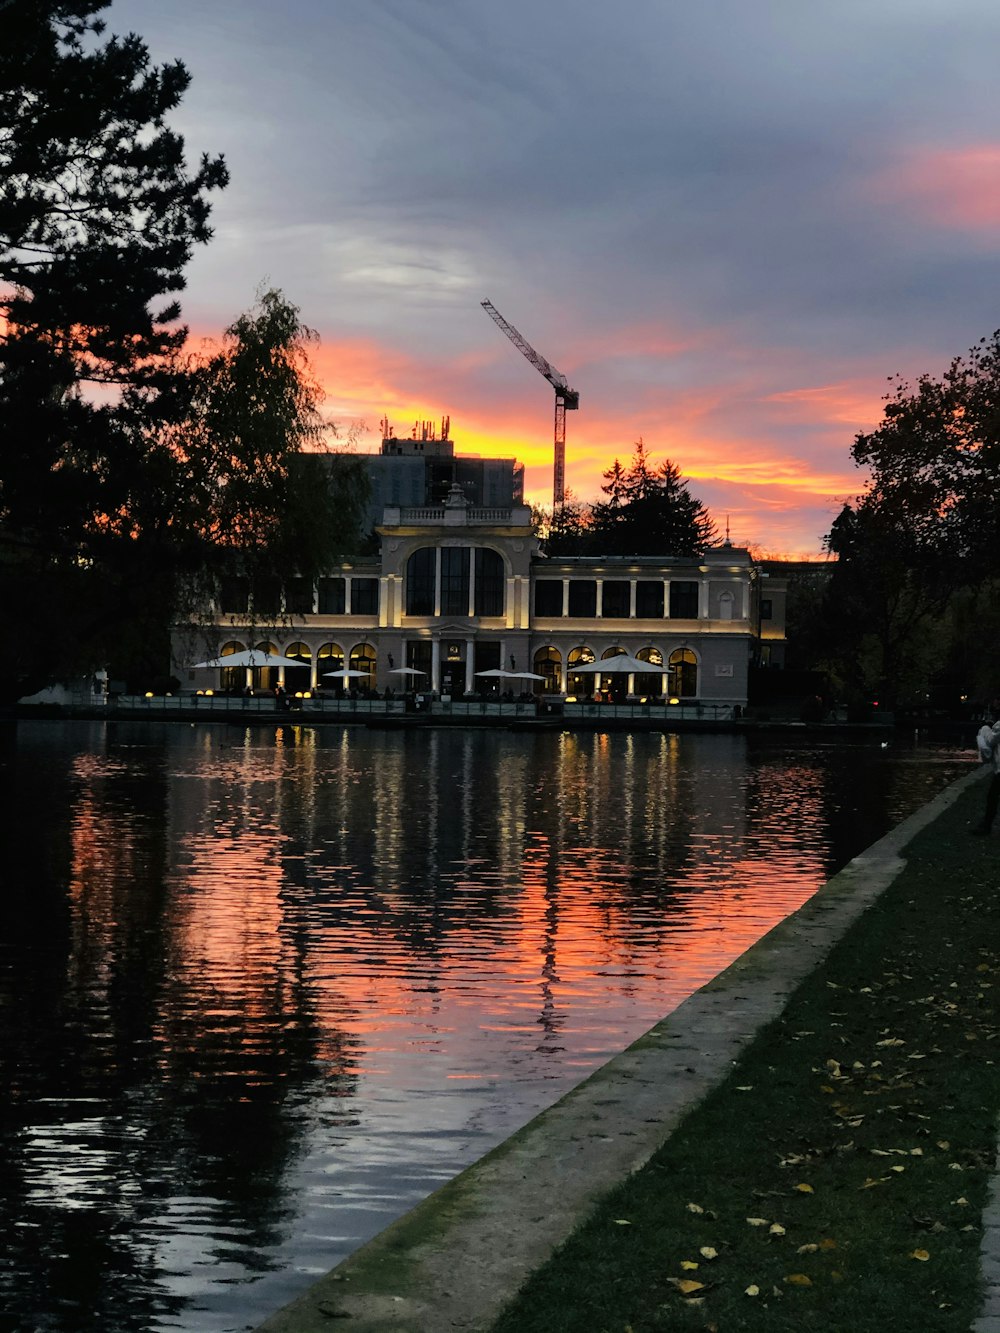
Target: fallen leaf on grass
<point x="798" y="1280"/>
<point x="708" y="1252"/>
<point x="891" y="1041"/>
<point x="922" y="1255"/>
<point x="753" y="1289"/>
<point x="695" y="1208"/>
<point x="805" y="1189"/>
<point x="687" y="1286"/>
<point x="776" y="1229"/>
<point x="688" y="1265"/>
<point x="757" y="1221"/>
<point x="622" y="1222"/>
<point x="807" y="1249"/>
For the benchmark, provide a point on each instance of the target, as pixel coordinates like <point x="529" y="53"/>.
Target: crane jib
<point x="567" y="399"/>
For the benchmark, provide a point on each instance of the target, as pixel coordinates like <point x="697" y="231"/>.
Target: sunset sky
<point x="727" y="224"/>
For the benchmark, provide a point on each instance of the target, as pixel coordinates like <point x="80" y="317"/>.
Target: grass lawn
<point x="836" y="1180"/>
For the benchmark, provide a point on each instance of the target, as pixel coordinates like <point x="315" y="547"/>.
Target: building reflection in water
<point x="309" y="974"/>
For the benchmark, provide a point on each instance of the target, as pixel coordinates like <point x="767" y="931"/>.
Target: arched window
<point x="490" y="582"/>
<point x="580" y="684"/>
<point x="726" y="606"/>
<point x="651" y="682"/>
<point x="682" y="674"/>
<point x="420" y="577"/>
<point x="298" y="678"/>
<point x="614" y="684"/>
<point x="363" y="659"/>
<point x="329" y="658"/>
<point x="547" y="663"/>
<point x="233" y="679"/>
<point x="265" y="678"/>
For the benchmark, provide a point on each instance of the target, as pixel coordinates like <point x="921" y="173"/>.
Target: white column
<point x="384" y="599"/>
<point x="436" y="665"/>
<point x="437" y="585"/>
<point x="703" y="599"/>
<point x="472" y="581"/>
<point x="470" y="662"/>
<point x="631" y="599"/>
<point x="347" y="598"/>
<point x="600" y="599"/>
<point x="565" y="610"/>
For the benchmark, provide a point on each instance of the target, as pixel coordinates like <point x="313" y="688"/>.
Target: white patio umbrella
<point x="525" y="675"/>
<point x="248" y="657"/>
<point x="405" y="671"/>
<point x="611" y="666"/>
<point x="498" y="673"/>
<point x="346" y="674"/>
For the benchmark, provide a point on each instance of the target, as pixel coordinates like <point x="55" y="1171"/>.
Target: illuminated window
<point x="547" y="663"/>
<point x="682" y="674"/>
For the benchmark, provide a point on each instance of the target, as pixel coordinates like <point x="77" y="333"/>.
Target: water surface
<point x="262" y="989"/>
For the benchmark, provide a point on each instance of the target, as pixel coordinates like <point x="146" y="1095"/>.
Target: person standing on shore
<point x="988" y="745"/>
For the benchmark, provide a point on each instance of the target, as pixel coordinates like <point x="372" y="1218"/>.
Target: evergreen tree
<point x="98" y="215"/>
<point x="649" y="511"/>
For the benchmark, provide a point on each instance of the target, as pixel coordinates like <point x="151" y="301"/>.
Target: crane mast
<point x="567" y="399"/>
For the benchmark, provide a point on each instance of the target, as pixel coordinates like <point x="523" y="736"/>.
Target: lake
<point x="263" y="988"/>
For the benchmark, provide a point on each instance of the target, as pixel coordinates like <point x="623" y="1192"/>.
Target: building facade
<point x="458" y="590"/>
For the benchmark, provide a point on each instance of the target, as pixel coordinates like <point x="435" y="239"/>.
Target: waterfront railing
<point x="545" y="708"/>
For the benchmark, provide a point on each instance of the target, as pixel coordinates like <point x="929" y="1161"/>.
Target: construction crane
<point x="567" y="399"/>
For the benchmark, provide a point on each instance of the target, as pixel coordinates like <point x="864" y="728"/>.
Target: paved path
<point x="451" y="1263"/>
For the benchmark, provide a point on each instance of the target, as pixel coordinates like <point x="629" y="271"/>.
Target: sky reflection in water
<point x="263" y="990"/>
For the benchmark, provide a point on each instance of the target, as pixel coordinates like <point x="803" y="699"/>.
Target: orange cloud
<point x="726" y="437"/>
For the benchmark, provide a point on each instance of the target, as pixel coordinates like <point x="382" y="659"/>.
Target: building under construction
<point x="420" y="469"/>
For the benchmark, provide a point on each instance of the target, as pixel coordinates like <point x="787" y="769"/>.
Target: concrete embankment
<point x="453" y="1261"/>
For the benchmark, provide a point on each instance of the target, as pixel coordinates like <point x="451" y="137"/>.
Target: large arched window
<point x="420" y="577"/>
<point x="455" y="564"/>
<point x="490" y="582"/>
<point x="548" y="662"/>
<point x="450" y="570"/>
<point x="682" y="674"/>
